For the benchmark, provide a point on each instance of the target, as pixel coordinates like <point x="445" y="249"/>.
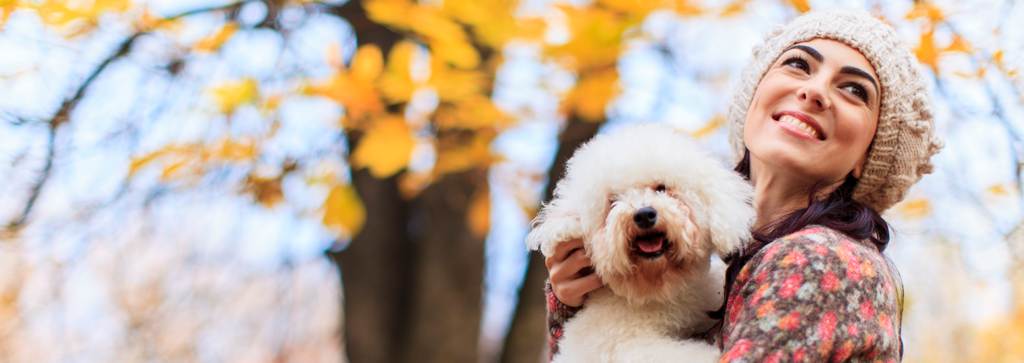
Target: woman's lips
<point x="800" y="123"/>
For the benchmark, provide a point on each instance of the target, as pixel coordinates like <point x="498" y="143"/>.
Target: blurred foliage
<point x="422" y="110"/>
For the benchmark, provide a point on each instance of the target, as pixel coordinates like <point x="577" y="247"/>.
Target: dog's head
<point x="651" y="209"/>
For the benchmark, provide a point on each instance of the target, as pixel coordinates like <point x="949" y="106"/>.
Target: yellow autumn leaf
<point x="458" y="155"/>
<point x="266" y="191"/>
<point x="230" y="95"/>
<point x="915" y="208"/>
<point x="1000" y="190"/>
<point x="688" y="8"/>
<point x="734" y="8"/>
<point x="454" y="85"/>
<point x="473" y="112"/>
<point x="634" y="7"/>
<point x="801" y="5"/>
<point x="478" y="214"/>
<point x="432" y="23"/>
<point x="367" y="63"/>
<point x="359" y="98"/>
<point x="148" y="21"/>
<point x="8" y="7"/>
<point x="458" y="52"/>
<point x="231" y="150"/>
<point x="596" y="38"/>
<point x="715" y="123"/>
<point x="388" y="12"/>
<point x="493" y="22"/>
<point x="959" y="45"/>
<point x="396" y="84"/>
<point x="343" y="208"/>
<point x="216" y="39"/>
<point x="926" y="52"/>
<point x="385" y="149"/>
<point x="591" y="95"/>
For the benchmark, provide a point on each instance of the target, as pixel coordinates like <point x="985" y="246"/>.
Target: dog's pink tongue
<point x="650" y="245"/>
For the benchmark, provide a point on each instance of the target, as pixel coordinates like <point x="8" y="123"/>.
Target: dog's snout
<point x="645" y="217"/>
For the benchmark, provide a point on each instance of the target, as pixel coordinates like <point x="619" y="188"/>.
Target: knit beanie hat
<point x="905" y="137"/>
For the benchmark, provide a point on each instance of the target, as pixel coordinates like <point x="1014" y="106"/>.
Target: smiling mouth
<point x="651" y="245"/>
<point x="800" y="125"/>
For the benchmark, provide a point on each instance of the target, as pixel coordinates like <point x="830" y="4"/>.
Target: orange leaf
<point x="478" y="215"/>
<point x="388" y="12"/>
<point x="229" y="96"/>
<point x="462" y="155"/>
<point x="343" y="208"/>
<point x="635" y="7"/>
<point x="801" y="5"/>
<point x="217" y="39"/>
<point x="999" y="190"/>
<point x="367" y="63"/>
<point x="396" y="83"/>
<point x="456" y="51"/>
<point x="734" y="8"/>
<point x="453" y="85"/>
<point x="715" y="123"/>
<point x="591" y="95"/>
<point x="475" y="111"/>
<point x="959" y="45"/>
<point x="926" y="52"/>
<point x="358" y="97"/>
<point x="687" y="8"/>
<point x="385" y="149"/>
<point x="916" y="208"/>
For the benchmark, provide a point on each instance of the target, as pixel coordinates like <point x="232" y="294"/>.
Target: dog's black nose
<point x="645" y="217"/>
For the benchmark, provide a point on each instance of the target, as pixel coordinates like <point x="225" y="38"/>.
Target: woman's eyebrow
<point x="859" y="73"/>
<point x="807" y="49"/>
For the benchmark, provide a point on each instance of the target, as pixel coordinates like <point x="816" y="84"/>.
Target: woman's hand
<point x="572" y="277"/>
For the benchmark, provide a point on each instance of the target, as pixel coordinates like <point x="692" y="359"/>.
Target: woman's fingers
<point x="573" y="292"/>
<point x="563" y="250"/>
<point x="572" y="277"/>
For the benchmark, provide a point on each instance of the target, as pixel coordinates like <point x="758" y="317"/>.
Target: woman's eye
<point x="857" y="91"/>
<point x="798" y="63"/>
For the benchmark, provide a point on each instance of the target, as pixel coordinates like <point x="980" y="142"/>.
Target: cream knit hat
<point x="905" y="138"/>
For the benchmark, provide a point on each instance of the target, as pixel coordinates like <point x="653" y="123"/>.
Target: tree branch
<point x="63" y="114"/>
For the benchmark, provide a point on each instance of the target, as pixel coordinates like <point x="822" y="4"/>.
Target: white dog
<point x="651" y="209"/>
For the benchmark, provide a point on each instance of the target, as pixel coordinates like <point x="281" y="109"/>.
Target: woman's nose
<point x="814" y="92"/>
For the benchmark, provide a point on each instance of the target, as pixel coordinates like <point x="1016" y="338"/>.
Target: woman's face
<point x="814" y="113"/>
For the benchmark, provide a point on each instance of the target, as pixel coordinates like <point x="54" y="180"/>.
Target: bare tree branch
<point x="63" y="114"/>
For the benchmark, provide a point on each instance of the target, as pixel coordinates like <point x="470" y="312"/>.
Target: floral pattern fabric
<point x="813" y="296"/>
<point x="558" y="314"/>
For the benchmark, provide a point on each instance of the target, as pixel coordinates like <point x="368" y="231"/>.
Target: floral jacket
<point x="813" y="296"/>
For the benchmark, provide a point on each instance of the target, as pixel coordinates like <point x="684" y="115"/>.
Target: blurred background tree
<point x="294" y="180"/>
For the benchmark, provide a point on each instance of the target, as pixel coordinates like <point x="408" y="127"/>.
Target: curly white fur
<point x="652" y="301"/>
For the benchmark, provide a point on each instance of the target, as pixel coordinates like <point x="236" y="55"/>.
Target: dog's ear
<point x="552" y="226"/>
<point x="730" y="213"/>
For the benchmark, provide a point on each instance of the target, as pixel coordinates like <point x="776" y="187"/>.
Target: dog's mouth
<point x="651" y="245"/>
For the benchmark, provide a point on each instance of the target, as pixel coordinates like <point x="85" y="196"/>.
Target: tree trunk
<point x="447" y="289"/>
<point x="376" y="267"/>
<point x="375" y="271"/>
<point x="527" y="337"/>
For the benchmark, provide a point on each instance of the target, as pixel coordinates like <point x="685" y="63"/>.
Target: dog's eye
<point x="660" y="188"/>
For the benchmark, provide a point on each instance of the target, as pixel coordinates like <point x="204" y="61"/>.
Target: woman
<point x="832" y="124"/>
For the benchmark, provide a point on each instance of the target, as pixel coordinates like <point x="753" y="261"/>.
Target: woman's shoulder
<point x="817" y="241"/>
<point x="826" y="253"/>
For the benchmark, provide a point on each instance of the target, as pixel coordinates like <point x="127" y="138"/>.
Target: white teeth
<point x="795" y="122"/>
